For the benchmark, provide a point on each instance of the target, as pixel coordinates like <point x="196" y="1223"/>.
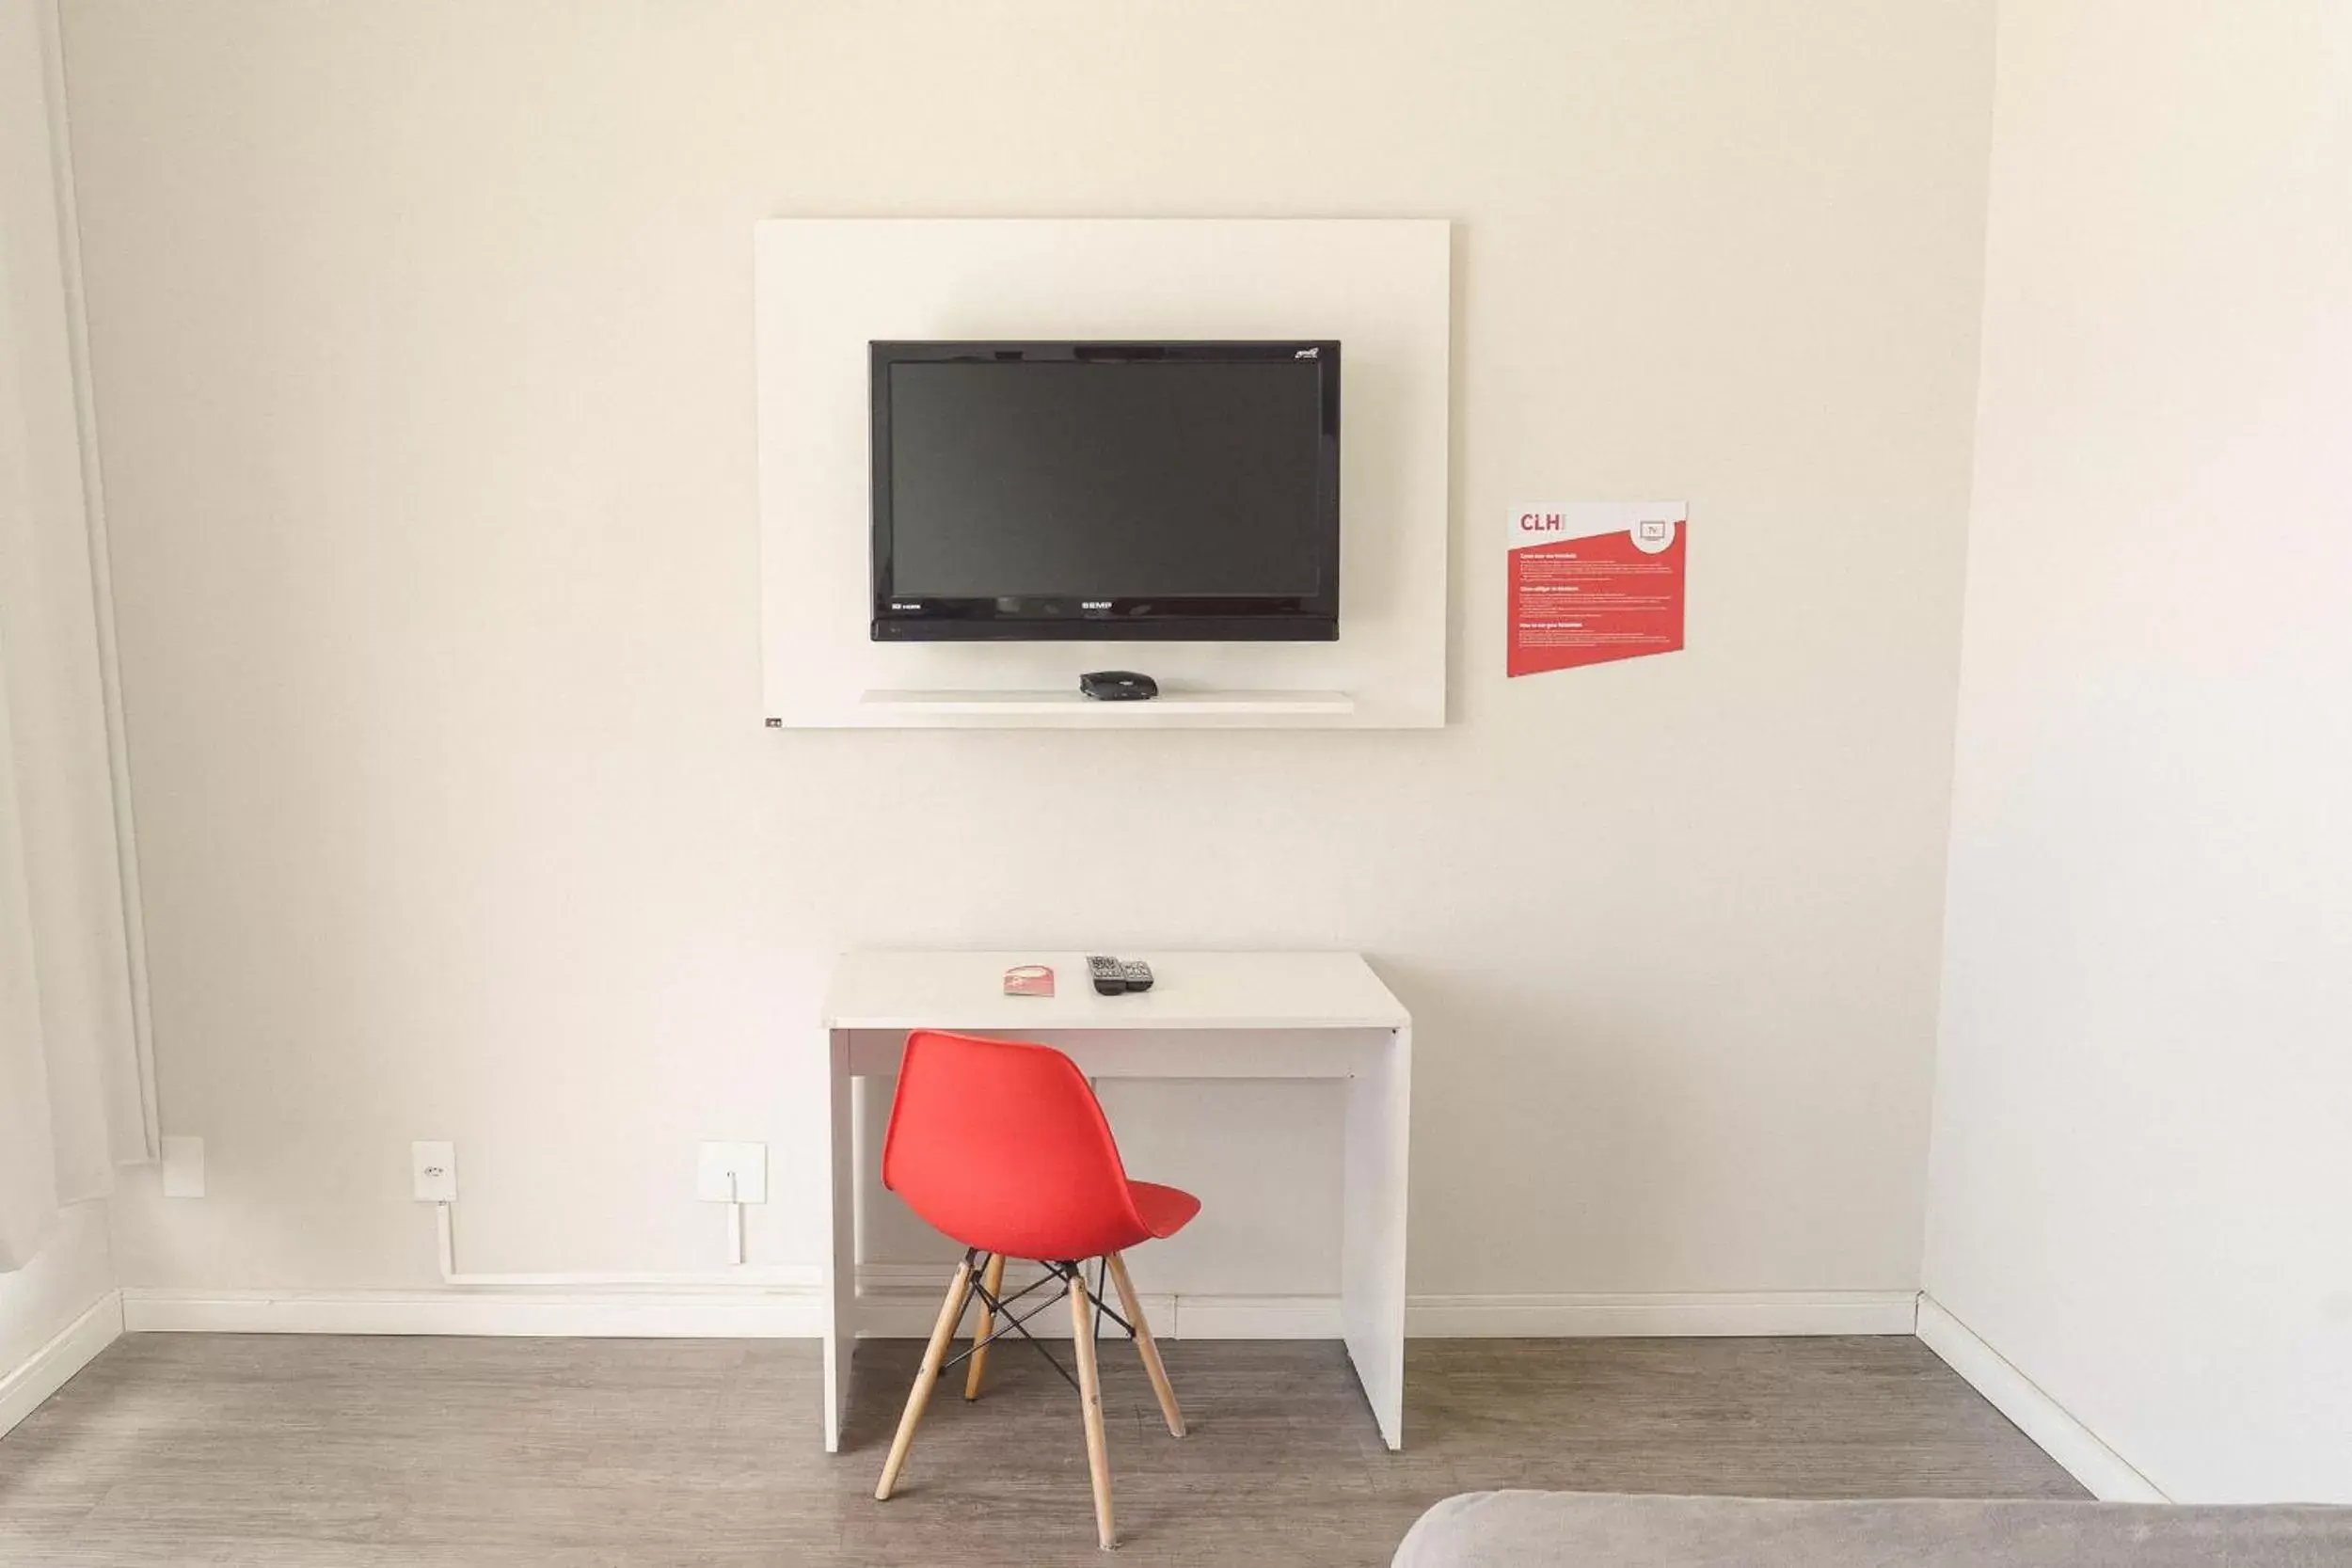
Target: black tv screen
<point x="1103" y="491"/>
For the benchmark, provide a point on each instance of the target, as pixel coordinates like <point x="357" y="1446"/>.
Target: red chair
<point x="1002" y="1147"/>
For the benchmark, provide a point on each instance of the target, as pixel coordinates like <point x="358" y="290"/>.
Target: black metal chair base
<point x="999" y="1306"/>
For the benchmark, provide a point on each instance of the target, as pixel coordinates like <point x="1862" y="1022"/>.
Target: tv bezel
<point x="1255" y="618"/>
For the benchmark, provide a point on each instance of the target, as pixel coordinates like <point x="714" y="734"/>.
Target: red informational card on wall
<point x="1592" y="581"/>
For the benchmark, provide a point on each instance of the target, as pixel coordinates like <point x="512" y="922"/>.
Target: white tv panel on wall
<point x="826" y="287"/>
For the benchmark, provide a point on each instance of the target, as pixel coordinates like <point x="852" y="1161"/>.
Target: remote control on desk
<point x="1137" y="973"/>
<point x="1110" y="975"/>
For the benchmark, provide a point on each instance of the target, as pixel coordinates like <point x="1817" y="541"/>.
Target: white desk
<point x="1209" y="1015"/>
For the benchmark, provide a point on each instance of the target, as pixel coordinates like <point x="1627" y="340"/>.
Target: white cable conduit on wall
<point x="445" y="1220"/>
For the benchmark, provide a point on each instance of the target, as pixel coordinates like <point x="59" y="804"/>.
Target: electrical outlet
<point x="747" y="1163"/>
<point x="183" y="1166"/>
<point x="434" y="1169"/>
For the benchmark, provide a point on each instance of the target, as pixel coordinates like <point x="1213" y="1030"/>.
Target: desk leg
<point x="840" y="1271"/>
<point x="1371" y="1246"/>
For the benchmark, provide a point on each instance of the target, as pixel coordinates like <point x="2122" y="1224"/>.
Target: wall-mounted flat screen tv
<point x="1100" y="491"/>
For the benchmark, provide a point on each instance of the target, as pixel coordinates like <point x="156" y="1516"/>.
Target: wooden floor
<point x="494" y="1453"/>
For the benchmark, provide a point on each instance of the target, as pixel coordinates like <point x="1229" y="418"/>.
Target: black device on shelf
<point x="1119" y="686"/>
<point x="1105" y="491"/>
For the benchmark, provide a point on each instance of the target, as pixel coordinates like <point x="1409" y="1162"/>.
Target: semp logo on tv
<point x="1308" y="353"/>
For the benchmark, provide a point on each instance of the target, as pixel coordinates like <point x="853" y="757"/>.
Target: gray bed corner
<point x="1577" y="1529"/>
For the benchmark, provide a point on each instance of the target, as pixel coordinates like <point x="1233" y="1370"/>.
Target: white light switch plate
<point x="433" y="1169"/>
<point x="747" y="1163"/>
<point x="183" y="1166"/>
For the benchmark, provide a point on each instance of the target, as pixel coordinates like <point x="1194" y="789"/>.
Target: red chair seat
<point x="1163" y="1210"/>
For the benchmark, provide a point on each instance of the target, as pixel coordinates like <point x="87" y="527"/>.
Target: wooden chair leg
<point x="993" y="1281"/>
<point x="1091" y="1392"/>
<point x="950" y="1314"/>
<point x="1146" y="1346"/>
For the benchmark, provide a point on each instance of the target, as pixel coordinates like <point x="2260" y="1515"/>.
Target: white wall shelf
<point x="1169" y="709"/>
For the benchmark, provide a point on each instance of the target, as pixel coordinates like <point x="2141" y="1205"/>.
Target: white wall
<point x="424" y="346"/>
<point x="2144" y="1115"/>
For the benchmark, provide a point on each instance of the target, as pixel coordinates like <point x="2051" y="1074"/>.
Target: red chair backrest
<point x="1003" y="1146"/>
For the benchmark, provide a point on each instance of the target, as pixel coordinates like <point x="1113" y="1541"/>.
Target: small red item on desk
<point x="1028" y="980"/>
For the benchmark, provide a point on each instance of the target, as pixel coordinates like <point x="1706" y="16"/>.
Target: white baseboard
<point x="901" y="1301"/>
<point x="1256" y="1318"/>
<point x="609" y="1314"/>
<point x="1712" y="1314"/>
<point x="68" y="1351"/>
<point x="2106" y="1474"/>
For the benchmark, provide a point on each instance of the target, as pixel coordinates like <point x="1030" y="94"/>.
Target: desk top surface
<point x="1191" y="991"/>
